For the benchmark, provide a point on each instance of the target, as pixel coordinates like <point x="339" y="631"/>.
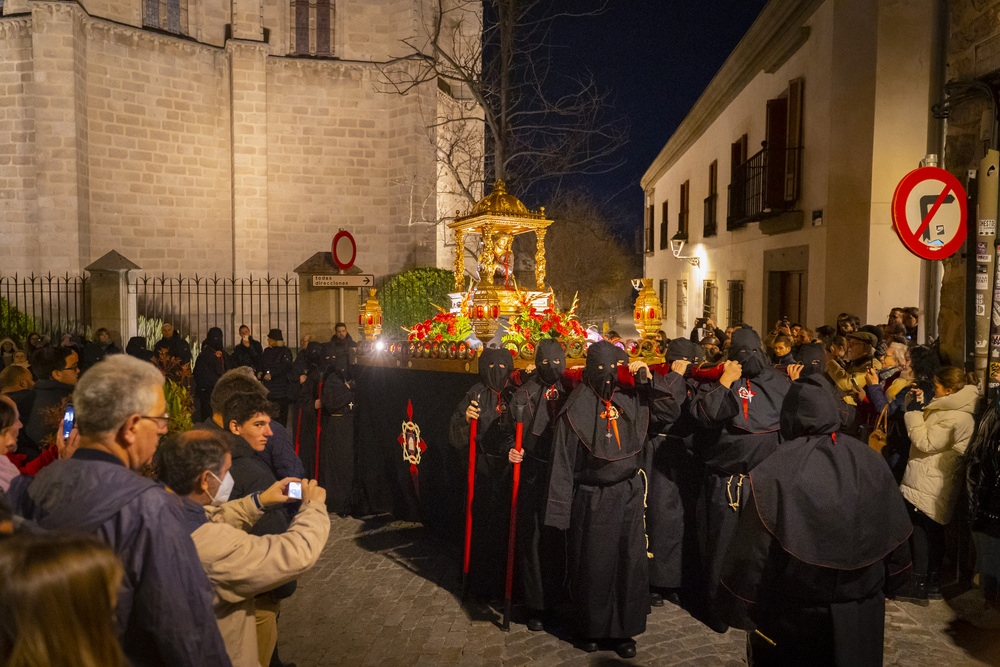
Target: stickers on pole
<point x="929" y="213"/>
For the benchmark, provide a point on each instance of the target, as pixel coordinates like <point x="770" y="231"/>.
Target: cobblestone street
<point x="386" y="594"/>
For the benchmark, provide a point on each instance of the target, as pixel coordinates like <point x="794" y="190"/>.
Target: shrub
<point x="407" y="297"/>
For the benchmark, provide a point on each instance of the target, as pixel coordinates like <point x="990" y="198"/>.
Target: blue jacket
<point x="165" y="613"/>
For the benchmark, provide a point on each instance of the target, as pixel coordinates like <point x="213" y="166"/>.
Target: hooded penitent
<point x="607" y="416"/>
<point x="828" y="499"/>
<point x="682" y="349"/>
<point x="812" y="357"/>
<point x="747" y="350"/>
<point x="495" y="366"/>
<point x="550" y="363"/>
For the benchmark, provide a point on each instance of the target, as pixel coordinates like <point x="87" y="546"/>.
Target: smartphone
<point x="69" y="418"/>
<point x="295" y="490"/>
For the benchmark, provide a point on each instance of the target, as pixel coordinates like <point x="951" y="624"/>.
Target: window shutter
<point x="774" y="184"/>
<point x="664" y="231"/>
<point x="793" y="140"/>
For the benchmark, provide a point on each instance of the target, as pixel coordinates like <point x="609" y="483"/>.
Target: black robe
<point x="824" y="534"/>
<point x="741" y="429"/>
<point x="596" y="493"/>
<point x="540" y="549"/>
<point x="336" y="450"/>
<point x="491" y="492"/>
<point x="674" y="474"/>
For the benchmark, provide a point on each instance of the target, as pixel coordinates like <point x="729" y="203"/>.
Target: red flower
<point x="546" y="326"/>
<point x="451" y="329"/>
<point x="439" y="337"/>
<point x="561" y="329"/>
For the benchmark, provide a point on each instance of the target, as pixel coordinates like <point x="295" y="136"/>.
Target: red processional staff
<point x="319" y="422"/>
<point x="468" y="503"/>
<point x="519" y="416"/>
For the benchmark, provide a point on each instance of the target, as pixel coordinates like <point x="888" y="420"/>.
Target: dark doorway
<point x="785" y="296"/>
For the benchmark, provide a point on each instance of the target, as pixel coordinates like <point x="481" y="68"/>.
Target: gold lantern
<point x="484" y="313"/>
<point x="648" y="311"/>
<point x="370" y="317"/>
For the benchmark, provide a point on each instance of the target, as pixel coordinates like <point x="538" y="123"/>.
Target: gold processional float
<point x="497" y="218"/>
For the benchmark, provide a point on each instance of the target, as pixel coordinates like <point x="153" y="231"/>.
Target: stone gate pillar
<point x="112" y="304"/>
<point x="321" y="306"/>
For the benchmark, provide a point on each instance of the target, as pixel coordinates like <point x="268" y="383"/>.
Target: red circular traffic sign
<point x="929" y="213"/>
<point x="344" y="234"/>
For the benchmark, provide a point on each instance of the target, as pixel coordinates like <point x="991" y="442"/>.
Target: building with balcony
<point x="772" y="198"/>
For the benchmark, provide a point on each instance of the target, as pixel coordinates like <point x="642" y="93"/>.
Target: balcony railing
<point x="757" y="189"/>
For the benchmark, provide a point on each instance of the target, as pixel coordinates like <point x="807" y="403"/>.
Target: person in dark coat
<point x="674" y="475"/>
<point x="97" y="349"/>
<point x="164" y="610"/>
<point x="488" y="401"/>
<point x="341" y="343"/>
<point x="739" y="413"/>
<point x="57" y="369"/>
<point x="173" y="344"/>
<point x="538" y="403"/>
<point x="335" y="467"/>
<point x="212" y="362"/>
<point x="247" y="351"/>
<point x="308" y="404"/>
<point x="276" y="372"/>
<point x="821" y="539"/>
<point x="136" y="347"/>
<point x="596" y="493"/>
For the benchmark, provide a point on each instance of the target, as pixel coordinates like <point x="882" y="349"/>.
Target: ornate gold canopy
<point x="499" y="217"/>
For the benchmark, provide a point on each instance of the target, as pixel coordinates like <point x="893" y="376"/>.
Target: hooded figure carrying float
<point x="596" y="493"/>
<point x="739" y="414"/>
<point x="821" y="539"/>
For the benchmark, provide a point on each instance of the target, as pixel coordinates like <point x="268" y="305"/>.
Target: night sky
<point x="655" y="57"/>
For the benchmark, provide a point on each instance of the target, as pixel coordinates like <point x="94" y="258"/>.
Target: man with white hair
<point x="165" y="614"/>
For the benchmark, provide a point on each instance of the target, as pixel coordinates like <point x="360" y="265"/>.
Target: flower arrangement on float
<point x="442" y="327"/>
<point x="532" y="325"/>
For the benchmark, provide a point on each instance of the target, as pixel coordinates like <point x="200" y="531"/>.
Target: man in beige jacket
<point x="195" y="465"/>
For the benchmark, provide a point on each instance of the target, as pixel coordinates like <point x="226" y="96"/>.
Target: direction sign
<point x="360" y="280"/>
<point x="929" y="212"/>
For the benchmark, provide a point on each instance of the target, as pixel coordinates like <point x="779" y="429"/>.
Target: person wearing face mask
<point x="539" y="401"/>
<point x="488" y="401"/>
<point x="195" y="465"/>
<point x="596" y="494"/>
<point x="739" y="413"/>
<point x="674" y="479"/>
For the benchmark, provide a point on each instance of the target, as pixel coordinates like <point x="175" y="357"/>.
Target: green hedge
<point x="406" y="298"/>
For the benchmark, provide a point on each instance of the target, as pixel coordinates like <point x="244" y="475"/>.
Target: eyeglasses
<point x="74" y="367"/>
<point x="162" y="421"/>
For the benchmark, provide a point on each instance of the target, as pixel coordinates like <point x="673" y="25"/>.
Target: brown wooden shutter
<point x="793" y="159"/>
<point x="774" y="175"/>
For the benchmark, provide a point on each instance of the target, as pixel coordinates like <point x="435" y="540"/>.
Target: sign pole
<point x="987" y="307"/>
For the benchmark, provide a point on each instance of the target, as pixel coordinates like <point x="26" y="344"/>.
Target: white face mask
<point x="225" y="488"/>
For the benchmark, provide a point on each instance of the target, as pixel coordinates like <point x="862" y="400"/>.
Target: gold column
<point x="459" y="260"/>
<point x="540" y="259"/>
<point x="487" y="263"/>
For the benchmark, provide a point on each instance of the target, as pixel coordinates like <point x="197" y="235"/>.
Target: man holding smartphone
<point x="58" y="370"/>
<point x="195" y="465"/>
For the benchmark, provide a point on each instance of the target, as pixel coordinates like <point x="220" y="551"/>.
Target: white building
<point x="780" y="179"/>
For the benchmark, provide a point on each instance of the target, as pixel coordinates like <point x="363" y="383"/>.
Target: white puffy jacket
<point x="938" y="436"/>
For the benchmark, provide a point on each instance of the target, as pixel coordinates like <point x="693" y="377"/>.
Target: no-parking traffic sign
<point x="929" y="213"/>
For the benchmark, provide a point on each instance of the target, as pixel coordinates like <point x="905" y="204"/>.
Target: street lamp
<point x="677" y="242"/>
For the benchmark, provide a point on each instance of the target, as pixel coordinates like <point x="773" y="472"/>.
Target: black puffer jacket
<point x="982" y="474"/>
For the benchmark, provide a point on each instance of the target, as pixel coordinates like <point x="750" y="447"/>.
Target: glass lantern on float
<point x="648" y="311"/>
<point x="497" y="218"/>
<point x="370" y="317"/>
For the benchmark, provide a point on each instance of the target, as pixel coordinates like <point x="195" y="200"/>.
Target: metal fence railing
<point x="196" y="304"/>
<point x="49" y="305"/>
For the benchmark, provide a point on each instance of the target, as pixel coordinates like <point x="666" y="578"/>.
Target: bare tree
<point x="493" y="59"/>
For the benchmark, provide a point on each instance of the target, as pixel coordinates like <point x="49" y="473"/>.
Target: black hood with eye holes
<point x="747" y="350"/>
<point x="495" y="366"/>
<point x="550" y="361"/>
<point x="682" y="349"/>
<point x="601" y="371"/>
<point x="812" y="357"/>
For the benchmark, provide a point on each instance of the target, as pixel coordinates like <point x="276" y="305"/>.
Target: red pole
<point x="298" y="430"/>
<point x="319" y="423"/>
<point x="513" y="531"/>
<point x="468" y="504"/>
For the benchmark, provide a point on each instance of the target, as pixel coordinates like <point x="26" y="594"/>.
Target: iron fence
<point x="196" y="304"/>
<point x="49" y="305"/>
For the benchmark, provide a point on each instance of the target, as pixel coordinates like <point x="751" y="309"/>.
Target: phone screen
<point x="295" y="490"/>
<point x="69" y="418"/>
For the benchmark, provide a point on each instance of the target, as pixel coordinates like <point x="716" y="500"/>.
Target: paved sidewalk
<point x="384" y="594"/>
